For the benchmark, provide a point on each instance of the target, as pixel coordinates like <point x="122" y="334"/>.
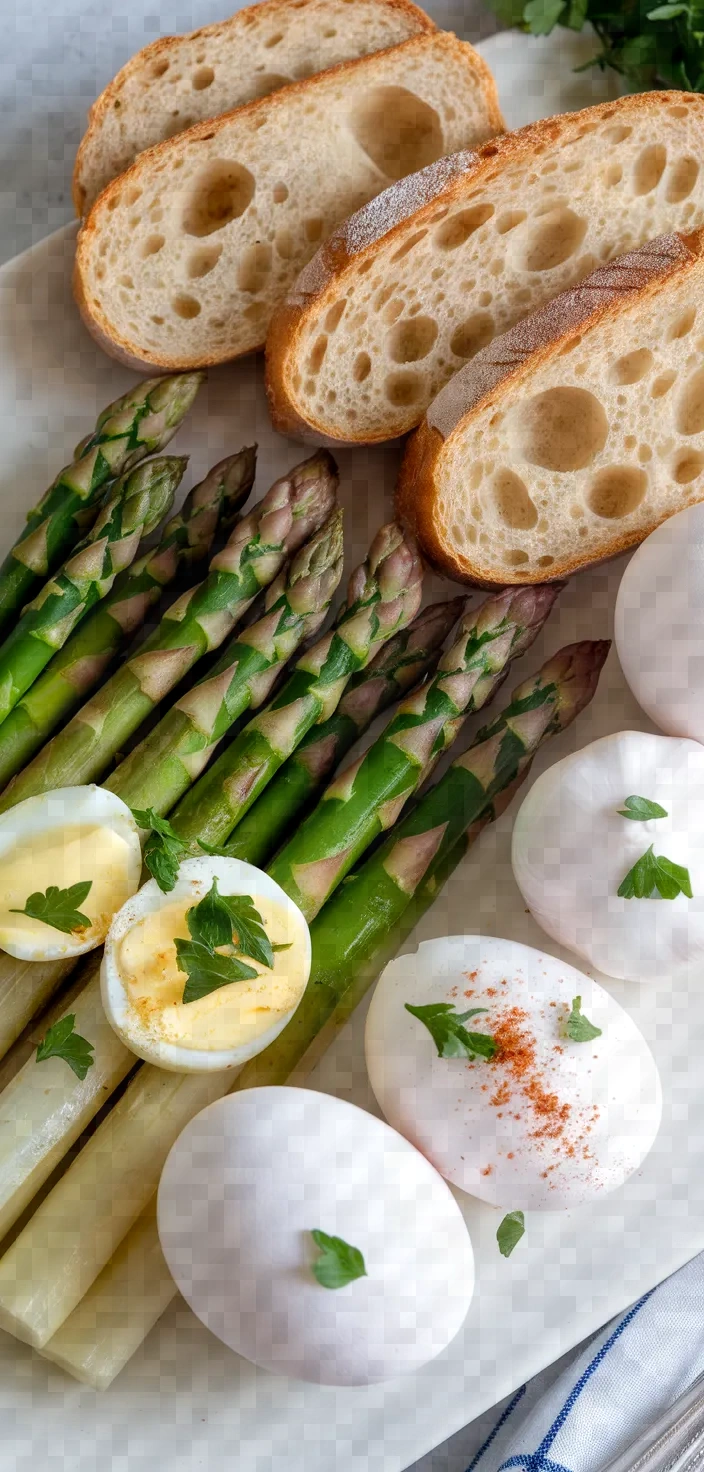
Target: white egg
<point x="59" y="839"/>
<point x="546" y="1123"/>
<point x="573" y="849"/>
<point x="244" y="1187"/>
<point x="659" y="624"/>
<point x="143" y="986"/>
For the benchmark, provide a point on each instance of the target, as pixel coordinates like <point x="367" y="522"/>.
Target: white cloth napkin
<point x="611" y="1391"/>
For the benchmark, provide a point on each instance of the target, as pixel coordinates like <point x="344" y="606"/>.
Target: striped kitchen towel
<point x="615" y="1388"/>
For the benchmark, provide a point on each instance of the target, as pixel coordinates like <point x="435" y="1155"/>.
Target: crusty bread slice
<point x="181" y="80"/>
<point x="410" y="287"/>
<point x="183" y="259"/>
<point x="569" y="438"/>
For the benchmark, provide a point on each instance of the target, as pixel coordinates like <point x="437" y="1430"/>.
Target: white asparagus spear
<point x="46" y="1107"/>
<point x="26" y="987"/>
<point x="81" y="1223"/>
<point x="117" y="1313"/>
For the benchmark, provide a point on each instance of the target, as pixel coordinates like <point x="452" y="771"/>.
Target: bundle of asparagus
<point x="92" y="1242"/>
<point x="88" y="653"/>
<point x="103" y="1324"/>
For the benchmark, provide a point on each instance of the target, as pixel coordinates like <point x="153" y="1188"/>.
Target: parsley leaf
<point x="510" y="1231"/>
<point x="163" y="850"/>
<point x="338" y="1263"/>
<point x="450" y="1037"/>
<point x="59" y="907"/>
<point x="667" y="12"/>
<point x="230" y="919"/>
<point x="220" y="920"/>
<point x="62" y="1042"/>
<point x="578" y="1027"/>
<point x="207" y="970"/>
<point x="653" y="872"/>
<point x="640" y="809"/>
<point x="541" y="16"/>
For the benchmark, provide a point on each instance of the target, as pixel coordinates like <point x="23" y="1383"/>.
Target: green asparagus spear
<point x="164" y="765"/>
<point x="136" y="425"/>
<point x="197" y="622"/>
<point x="140" y="499"/>
<point x="398" y="666"/>
<point x="85" y="658"/>
<point x="366" y="799"/>
<point x="364" y="923"/>
<point x="383" y="595"/>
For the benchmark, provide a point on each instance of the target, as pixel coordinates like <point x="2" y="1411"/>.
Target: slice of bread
<point x="181" y="80"/>
<point x="412" y="286"/>
<point x="183" y="259"/>
<point x="569" y="438"/>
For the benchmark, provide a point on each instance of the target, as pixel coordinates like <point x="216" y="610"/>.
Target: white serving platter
<point x="185" y="1401"/>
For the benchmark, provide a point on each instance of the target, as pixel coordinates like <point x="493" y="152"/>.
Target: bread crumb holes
<point x="412" y="339"/>
<point x="616" y="491"/>
<point x="202" y="78"/>
<point x="186" y="307"/>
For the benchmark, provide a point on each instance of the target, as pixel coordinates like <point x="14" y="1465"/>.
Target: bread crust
<point x="94" y="319"/>
<point x="506" y="363"/>
<point x="387" y="219"/>
<point x="165" y="46"/>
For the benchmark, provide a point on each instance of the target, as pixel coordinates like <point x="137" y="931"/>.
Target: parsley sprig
<point x="451" y="1038"/>
<point x="649" y="45"/>
<point x="654" y="873"/>
<point x="164" y="849"/>
<point x="61" y="1041"/>
<point x="338" y="1263"/>
<point x="59" y="907"/>
<point x="219" y="921"/>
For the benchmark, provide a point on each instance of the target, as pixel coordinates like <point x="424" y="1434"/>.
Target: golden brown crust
<point x="509" y="361"/>
<point x="166" y="44"/>
<point x="92" y="315"/>
<point x="416" y="197"/>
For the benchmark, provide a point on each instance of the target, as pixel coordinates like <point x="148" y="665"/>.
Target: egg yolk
<point x="63" y="857"/>
<point x="232" y="1015"/>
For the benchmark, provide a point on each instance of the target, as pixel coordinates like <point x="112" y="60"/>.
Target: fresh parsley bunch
<point x="650" y="45"/>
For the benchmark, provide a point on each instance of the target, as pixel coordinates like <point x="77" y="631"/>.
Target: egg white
<point x="474" y="1120"/>
<point x="243" y="1188"/>
<point x="42" y="817"/>
<point x="195" y="879"/>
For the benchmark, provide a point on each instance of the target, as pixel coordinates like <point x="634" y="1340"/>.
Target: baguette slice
<point x="569" y="438"/>
<point x="183" y="259"/>
<point x="181" y="80"/>
<point x="442" y="262"/>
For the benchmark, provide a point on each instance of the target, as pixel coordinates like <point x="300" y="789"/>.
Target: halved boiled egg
<point x="192" y="1020"/>
<point x="51" y="845"/>
<point x="563" y="1107"/>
